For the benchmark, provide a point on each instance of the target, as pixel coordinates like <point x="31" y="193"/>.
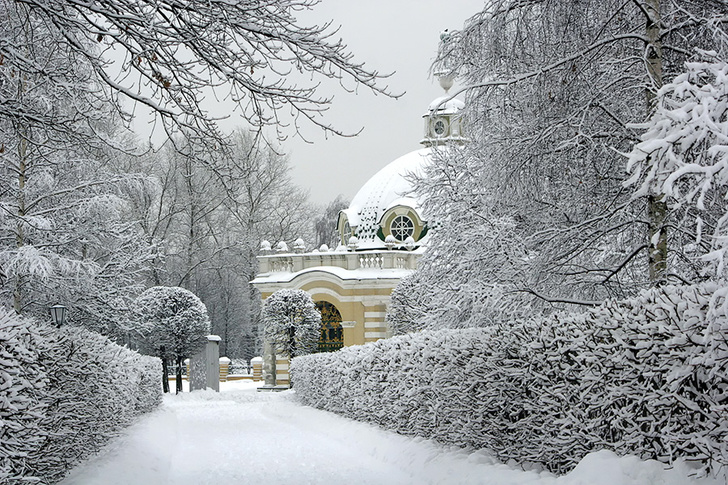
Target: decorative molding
<point x="375" y="335"/>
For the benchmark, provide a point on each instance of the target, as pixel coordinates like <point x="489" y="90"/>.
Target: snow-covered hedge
<point x="647" y="376"/>
<point x="63" y="394"/>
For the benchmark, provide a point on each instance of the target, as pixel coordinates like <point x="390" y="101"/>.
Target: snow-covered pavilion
<point x="383" y="233"/>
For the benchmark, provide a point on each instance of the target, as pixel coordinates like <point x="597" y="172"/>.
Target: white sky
<point x="388" y="35"/>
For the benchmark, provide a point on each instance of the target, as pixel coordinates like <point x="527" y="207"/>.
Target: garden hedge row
<point x="63" y="394"/>
<point x="647" y="376"/>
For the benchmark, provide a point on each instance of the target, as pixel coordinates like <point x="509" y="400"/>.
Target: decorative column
<point x="257" y="363"/>
<point x="205" y="366"/>
<point x="269" y="365"/>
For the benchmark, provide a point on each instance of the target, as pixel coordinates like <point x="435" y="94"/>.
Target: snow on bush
<point x="291" y="322"/>
<point x="22" y="383"/>
<point x="647" y="376"/>
<point x="63" y="394"/>
<point x="174" y="325"/>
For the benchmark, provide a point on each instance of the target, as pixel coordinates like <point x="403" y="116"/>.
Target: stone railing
<point x="289" y="262"/>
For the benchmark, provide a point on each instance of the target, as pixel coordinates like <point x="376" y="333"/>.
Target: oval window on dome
<point x="346" y="233"/>
<point x="401" y="228"/>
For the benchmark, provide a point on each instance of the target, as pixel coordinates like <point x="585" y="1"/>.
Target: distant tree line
<point x="90" y="216"/>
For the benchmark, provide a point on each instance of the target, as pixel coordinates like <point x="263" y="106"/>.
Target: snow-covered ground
<point x="240" y="436"/>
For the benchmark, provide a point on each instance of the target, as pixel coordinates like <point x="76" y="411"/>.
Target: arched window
<point x="332" y="333"/>
<point x="401" y="228"/>
<point x="347" y="233"/>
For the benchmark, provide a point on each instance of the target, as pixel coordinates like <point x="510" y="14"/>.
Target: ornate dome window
<point x="400" y="223"/>
<point x="402" y="227"/>
<point x="346" y="233"/>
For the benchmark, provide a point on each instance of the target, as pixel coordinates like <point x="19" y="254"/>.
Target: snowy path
<point x="240" y="436"/>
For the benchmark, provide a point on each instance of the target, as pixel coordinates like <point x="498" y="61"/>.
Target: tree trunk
<point x="291" y="352"/>
<point x="165" y="370"/>
<point x="656" y="203"/>
<point x="178" y="375"/>
<point x="20" y="230"/>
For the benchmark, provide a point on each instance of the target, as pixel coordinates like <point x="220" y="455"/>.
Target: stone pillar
<point x="257" y="368"/>
<point x="269" y="365"/>
<point x="205" y="366"/>
<point x="283" y="363"/>
<point x="224" y="368"/>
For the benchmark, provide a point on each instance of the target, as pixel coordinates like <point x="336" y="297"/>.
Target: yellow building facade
<point x="383" y="233"/>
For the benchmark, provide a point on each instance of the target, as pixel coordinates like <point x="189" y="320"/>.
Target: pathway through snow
<point x="240" y="436"/>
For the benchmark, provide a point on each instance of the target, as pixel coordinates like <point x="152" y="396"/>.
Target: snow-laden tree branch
<point x="683" y="154"/>
<point x="175" y="55"/>
<point x="553" y="89"/>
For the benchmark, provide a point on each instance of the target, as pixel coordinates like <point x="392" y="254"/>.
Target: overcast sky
<point x="388" y="35"/>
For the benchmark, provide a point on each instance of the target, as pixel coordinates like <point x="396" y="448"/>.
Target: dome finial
<point x="445" y="73"/>
<point x="446" y="80"/>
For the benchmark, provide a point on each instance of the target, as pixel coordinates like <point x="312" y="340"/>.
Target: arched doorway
<point x="332" y="333"/>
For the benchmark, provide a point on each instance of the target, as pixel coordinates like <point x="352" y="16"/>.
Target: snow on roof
<point x="340" y="273"/>
<point x="445" y="105"/>
<point x="387" y="188"/>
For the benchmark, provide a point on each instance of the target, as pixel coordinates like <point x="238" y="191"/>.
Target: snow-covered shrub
<point x="647" y="376"/>
<point x="174" y="325"/>
<point x="291" y="322"/>
<point x="22" y="383"/>
<point x="650" y="375"/>
<point x="64" y="394"/>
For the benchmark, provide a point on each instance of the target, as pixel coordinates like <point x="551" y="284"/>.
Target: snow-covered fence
<point x="647" y="376"/>
<point x="63" y="394"/>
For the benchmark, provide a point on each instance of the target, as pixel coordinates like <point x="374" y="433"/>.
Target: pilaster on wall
<point x="375" y="327"/>
<point x="349" y="337"/>
<point x="283" y="378"/>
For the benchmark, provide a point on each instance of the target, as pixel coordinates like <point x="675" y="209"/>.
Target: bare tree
<point x="327" y="222"/>
<point x="175" y="55"/>
<point x="208" y="217"/>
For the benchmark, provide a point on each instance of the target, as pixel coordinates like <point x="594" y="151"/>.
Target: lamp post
<point x="58" y="314"/>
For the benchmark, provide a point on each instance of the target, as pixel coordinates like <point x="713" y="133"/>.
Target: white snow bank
<point x="241" y="436"/>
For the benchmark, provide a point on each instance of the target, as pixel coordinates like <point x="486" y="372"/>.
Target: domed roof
<point x="388" y="188"/>
<point x="445" y="105"/>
